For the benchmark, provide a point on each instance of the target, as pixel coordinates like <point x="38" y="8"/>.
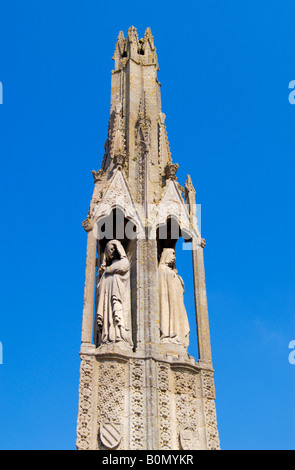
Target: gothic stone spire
<point x="139" y="387"/>
<point x="136" y="118"/>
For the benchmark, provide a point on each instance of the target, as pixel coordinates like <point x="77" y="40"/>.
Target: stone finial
<point x="148" y="36"/>
<point x="121" y="36"/>
<point x="132" y="34"/>
<point x="132" y="43"/>
<point x="189" y="185"/>
<point x="148" y="33"/>
<point x="164" y="149"/>
<point x="190" y="199"/>
<point x="120" y="50"/>
<point x="148" y="50"/>
<point x="162" y="118"/>
<point x="121" y="42"/>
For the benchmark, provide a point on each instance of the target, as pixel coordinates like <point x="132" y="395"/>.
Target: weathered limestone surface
<point x="139" y="388"/>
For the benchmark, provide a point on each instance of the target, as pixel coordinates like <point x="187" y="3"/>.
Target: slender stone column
<point x="148" y="332"/>
<point x="148" y="335"/>
<point x="201" y="302"/>
<point x="87" y="322"/>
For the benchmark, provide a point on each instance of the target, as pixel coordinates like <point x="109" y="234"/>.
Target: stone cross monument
<point x="139" y="387"/>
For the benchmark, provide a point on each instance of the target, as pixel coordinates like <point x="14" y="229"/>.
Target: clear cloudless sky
<point x="225" y="68"/>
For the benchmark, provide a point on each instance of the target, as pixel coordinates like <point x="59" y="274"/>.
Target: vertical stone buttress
<point x="152" y="396"/>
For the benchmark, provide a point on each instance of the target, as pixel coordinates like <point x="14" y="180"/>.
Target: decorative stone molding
<point x="137" y="405"/>
<point x="208" y="392"/>
<point x="164" y="406"/>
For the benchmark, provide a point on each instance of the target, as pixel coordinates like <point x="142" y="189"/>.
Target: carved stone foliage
<point x="137" y="398"/>
<point x="208" y="384"/>
<point x="164" y="405"/>
<point x="209" y="410"/>
<point x="187" y="390"/>
<point x="211" y="425"/>
<point x="85" y="404"/>
<point x="110" y="403"/>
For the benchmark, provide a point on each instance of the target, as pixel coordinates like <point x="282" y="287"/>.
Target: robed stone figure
<point x="113" y="305"/>
<point x="174" y="325"/>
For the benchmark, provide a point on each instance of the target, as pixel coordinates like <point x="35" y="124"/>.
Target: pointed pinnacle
<point x="120" y="36"/>
<point x="132" y="33"/>
<point x="148" y="32"/>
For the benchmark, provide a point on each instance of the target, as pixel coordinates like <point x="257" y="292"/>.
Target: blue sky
<point x="225" y="68"/>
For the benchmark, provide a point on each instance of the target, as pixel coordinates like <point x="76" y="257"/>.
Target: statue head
<point x="114" y="250"/>
<point x="111" y="251"/>
<point x="168" y="257"/>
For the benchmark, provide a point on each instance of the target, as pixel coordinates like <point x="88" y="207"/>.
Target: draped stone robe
<point x="113" y="310"/>
<point x="174" y="323"/>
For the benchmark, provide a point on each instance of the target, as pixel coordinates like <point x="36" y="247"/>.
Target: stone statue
<point x="174" y="325"/>
<point x="113" y="309"/>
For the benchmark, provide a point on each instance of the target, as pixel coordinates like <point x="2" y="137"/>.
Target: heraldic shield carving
<point x="188" y="439"/>
<point x="110" y="434"/>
